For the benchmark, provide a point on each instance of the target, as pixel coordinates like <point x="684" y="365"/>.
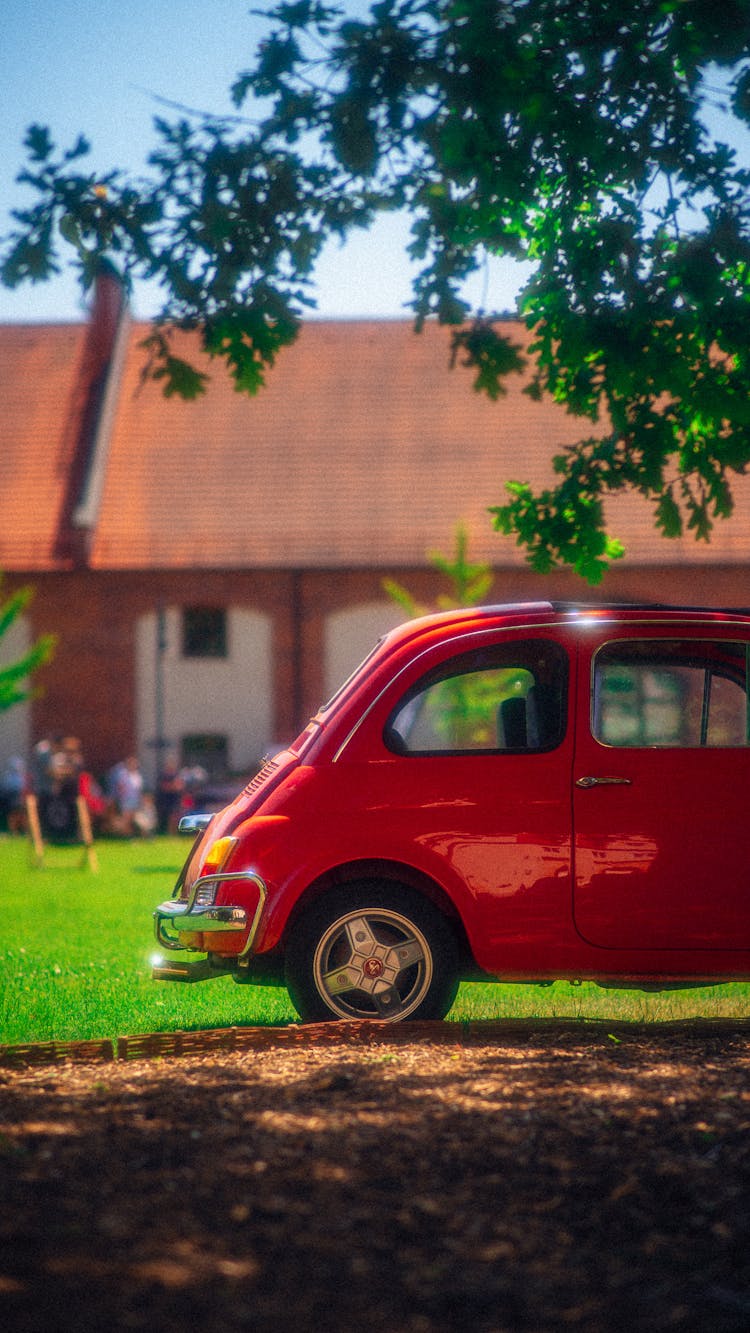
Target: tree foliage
<point x="14" y="684"/>
<point x="565" y="132"/>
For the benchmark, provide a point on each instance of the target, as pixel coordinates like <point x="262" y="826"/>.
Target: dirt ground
<point x="545" y="1178"/>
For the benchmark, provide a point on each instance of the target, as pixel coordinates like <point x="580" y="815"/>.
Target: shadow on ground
<point x="543" y="1179"/>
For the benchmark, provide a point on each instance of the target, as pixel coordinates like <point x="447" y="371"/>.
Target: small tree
<point x="14" y="675"/>
<point x="469" y="584"/>
<point x="464" y="707"/>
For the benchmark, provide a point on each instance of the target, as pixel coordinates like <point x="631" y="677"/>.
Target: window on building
<point x="207" y="751"/>
<point x="204" y="631"/>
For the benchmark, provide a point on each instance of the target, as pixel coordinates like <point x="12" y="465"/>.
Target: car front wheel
<point x="372" y="951"/>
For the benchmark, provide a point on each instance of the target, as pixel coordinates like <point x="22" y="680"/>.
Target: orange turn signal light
<point x="217" y="855"/>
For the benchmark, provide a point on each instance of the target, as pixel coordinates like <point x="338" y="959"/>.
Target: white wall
<point x="350" y="634"/>
<point x="230" y="696"/>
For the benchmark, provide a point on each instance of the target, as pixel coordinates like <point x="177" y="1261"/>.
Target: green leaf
<point x="39" y="143"/>
<point x="13" y="675"/>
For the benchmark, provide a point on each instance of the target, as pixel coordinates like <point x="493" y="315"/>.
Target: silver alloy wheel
<point x="373" y="963"/>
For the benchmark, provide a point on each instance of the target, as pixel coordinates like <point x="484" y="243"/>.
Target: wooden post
<point x="35" y="829"/>
<point x="87" y="836"/>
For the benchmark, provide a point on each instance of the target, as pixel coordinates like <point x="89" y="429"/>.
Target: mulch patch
<point x="481" y="1176"/>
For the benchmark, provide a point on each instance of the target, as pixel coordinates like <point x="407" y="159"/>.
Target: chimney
<point x="91" y="414"/>
<point x="107" y="309"/>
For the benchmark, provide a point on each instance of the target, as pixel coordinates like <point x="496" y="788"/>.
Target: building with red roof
<point x="213" y="568"/>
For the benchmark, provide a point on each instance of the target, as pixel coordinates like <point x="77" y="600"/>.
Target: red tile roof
<point x="364" y="449"/>
<point x="39" y="408"/>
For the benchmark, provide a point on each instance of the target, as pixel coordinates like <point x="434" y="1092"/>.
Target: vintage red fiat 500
<point x="520" y="792"/>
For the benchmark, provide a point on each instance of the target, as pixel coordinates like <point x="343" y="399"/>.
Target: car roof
<point x="464" y="619"/>
<point x="414" y="636"/>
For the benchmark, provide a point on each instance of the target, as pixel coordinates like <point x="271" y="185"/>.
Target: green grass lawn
<point x="75" y="950"/>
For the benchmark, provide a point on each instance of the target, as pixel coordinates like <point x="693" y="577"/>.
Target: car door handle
<point x="603" y="782"/>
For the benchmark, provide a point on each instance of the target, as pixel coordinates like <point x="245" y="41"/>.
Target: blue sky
<point x="96" y="66"/>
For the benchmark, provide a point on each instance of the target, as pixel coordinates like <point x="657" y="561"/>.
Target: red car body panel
<point x="586" y="859"/>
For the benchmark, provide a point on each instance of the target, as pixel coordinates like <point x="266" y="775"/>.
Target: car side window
<point x="671" y="692"/>
<point x="508" y="697"/>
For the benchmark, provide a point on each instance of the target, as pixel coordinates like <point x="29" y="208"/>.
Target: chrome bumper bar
<point x="179" y="917"/>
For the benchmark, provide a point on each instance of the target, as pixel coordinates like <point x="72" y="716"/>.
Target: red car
<point x="523" y="792"/>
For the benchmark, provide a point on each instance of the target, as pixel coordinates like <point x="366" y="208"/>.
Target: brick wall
<point x="89" y="690"/>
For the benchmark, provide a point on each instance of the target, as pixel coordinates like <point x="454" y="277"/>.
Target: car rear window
<point x="509" y="697"/>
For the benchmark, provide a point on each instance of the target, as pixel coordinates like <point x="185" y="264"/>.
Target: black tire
<point x="372" y="950"/>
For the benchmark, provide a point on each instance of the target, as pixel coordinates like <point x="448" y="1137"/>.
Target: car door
<point x="661" y="782"/>
<point x="479" y="784"/>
